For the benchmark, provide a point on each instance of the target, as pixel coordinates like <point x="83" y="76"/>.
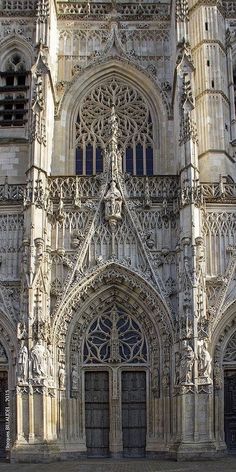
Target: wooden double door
<point x="98" y="421"/>
<point x="230" y="409"/>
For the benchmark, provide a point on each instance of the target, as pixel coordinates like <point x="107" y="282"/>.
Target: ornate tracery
<point x="114" y="337"/>
<point x="230" y="351"/>
<point x="134" y="124"/>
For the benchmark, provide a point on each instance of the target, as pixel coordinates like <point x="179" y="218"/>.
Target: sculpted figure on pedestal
<point x="186" y="364"/>
<point x="22" y="364"/>
<point x="204" y="361"/>
<point x="74" y="379"/>
<point x="113" y="202"/>
<point x="39" y="360"/>
<point x="218" y="376"/>
<point x="61" y="376"/>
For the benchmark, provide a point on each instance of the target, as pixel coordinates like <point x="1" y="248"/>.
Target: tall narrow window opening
<point x="14" y="92"/>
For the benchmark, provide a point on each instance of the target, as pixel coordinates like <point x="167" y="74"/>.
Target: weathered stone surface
<point x="117" y="229"/>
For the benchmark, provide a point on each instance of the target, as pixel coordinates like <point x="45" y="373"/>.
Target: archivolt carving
<point x="113" y="328"/>
<point x="116" y="62"/>
<point x="225" y="348"/>
<point x="227" y="331"/>
<point x="8" y="338"/>
<point x="123" y="280"/>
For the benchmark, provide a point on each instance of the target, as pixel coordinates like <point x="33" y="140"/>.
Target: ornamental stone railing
<point x="12" y="192"/>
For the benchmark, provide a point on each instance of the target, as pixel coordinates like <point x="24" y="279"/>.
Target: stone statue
<point x="61" y="376"/>
<point x="186" y="364"/>
<point x="22" y="362"/>
<point x="218" y="376"/>
<point x="155" y="382"/>
<point x="74" y="379"/>
<point x="113" y="202"/>
<point x="39" y="360"/>
<point x="166" y="377"/>
<point x="204" y="361"/>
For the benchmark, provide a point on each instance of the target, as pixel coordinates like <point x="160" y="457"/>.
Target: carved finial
<point x="113" y="123"/>
<point x="112" y="153"/>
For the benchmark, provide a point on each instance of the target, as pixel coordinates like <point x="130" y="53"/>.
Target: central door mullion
<point x="116" y="445"/>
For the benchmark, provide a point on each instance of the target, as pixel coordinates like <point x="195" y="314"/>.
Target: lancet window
<point x="134" y="122"/>
<point x="14" y="92"/>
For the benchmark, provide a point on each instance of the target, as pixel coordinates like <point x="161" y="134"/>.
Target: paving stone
<point x="227" y="464"/>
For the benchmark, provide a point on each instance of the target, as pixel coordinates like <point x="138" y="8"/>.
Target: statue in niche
<point x="218" y="376"/>
<point x="113" y="202"/>
<point x="186" y="364"/>
<point x="3" y="356"/>
<point x="61" y="377"/>
<point x="166" y="377"/>
<point x="150" y="242"/>
<point x="74" y="379"/>
<point x="155" y="382"/>
<point x="22" y="362"/>
<point x="39" y="359"/>
<point x="204" y="361"/>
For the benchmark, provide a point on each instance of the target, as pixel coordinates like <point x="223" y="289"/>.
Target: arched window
<point x="134" y="122"/>
<point x="14" y="92"/>
<point x="114" y="337"/>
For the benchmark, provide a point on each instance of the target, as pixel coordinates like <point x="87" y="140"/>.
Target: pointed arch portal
<point x="110" y="358"/>
<point x="116" y="347"/>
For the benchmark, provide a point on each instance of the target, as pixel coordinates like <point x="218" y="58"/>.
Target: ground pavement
<point x="227" y="464"/>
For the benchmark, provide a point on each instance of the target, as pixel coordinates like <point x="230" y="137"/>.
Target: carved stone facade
<point x="117" y="226"/>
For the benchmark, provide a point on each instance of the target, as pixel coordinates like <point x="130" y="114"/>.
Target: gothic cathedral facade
<point x="117" y="228"/>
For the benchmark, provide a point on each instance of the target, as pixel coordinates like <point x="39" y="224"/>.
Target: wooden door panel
<point x="230" y="409"/>
<point x="134" y="413"/>
<point x="97" y="413"/>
